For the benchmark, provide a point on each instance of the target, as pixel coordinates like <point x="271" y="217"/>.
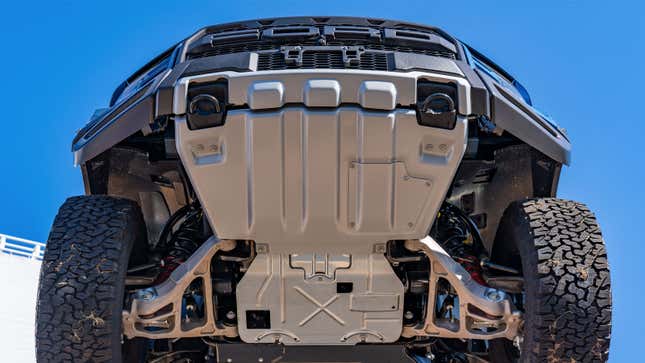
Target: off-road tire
<point x="82" y="279"/>
<point x="567" y="305"/>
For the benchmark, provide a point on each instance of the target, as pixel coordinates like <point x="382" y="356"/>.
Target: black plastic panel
<point x="480" y="101"/>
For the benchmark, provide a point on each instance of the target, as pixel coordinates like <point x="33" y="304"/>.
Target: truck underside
<point x="303" y="192"/>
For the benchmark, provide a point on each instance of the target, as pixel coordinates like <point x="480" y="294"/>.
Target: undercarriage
<point x="295" y="191"/>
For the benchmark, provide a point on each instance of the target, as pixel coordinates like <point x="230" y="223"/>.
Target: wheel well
<point x="500" y="171"/>
<point x="145" y="169"/>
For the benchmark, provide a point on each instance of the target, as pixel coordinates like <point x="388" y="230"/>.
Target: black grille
<point x="234" y="48"/>
<point x="322" y="59"/>
<point x="397" y="48"/>
<point x="271" y="61"/>
<point x="373" y="61"/>
<point x="258" y="46"/>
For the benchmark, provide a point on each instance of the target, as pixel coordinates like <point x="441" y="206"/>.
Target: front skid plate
<point x="307" y="180"/>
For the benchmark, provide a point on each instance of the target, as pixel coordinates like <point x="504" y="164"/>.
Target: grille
<point x="322" y="59"/>
<point x="264" y="46"/>
<point x="396" y="48"/>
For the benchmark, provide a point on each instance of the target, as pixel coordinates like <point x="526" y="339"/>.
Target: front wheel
<point x="82" y="279"/>
<point x="558" y="246"/>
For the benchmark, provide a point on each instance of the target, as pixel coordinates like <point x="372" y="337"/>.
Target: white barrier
<point x="19" y="268"/>
<point x="17" y="246"/>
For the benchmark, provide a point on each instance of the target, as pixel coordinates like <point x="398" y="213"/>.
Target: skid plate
<point x="317" y="180"/>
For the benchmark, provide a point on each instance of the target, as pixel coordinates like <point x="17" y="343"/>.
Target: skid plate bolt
<point x="409" y="315"/>
<point x="231" y="315"/>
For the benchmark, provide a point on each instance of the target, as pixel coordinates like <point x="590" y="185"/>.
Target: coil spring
<point x="188" y="236"/>
<point x="181" y="242"/>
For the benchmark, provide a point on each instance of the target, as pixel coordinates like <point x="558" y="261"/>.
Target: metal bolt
<point x="430" y="356"/>
<point x="231" y="315"/>
<point x="409" y="315"/>
<point x="260" y="359"/>
<point x="229" y="360"/>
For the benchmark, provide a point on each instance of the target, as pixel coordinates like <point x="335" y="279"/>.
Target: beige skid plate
<point x="307" y="181"/>
<point x="301" y="292"/>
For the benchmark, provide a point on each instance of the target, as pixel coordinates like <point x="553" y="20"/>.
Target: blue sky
<point x="581" y="61"/>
